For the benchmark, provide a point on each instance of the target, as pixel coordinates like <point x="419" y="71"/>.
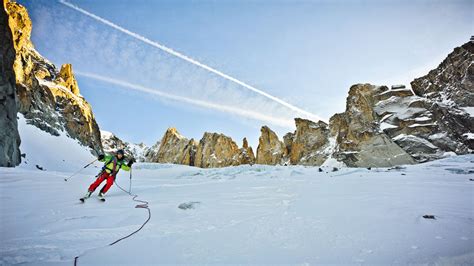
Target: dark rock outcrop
<point x="438" y="117"/>
<point x="452" y="82"/>
<point x="9" y="137"/>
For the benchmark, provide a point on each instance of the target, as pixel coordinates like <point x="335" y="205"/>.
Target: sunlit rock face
<point x="216" y="150"/>
<point x="174" y="148"/>
<point x="48" y="98"/>
<point x="246" y="155"/>
<point x="270" y="149"/>
<point x="308" y="144"/>
<point x="213" y="150"/>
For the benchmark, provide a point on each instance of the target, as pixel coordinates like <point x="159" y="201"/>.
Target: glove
<point x="101" y="156"/>
<point x="131" y="162"/>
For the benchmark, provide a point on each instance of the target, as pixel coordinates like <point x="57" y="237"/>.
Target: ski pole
<point x="87" y="165"/>
<point x="130" y="187"/>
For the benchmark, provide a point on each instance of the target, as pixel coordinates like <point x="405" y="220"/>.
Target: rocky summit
<point x="213" y="150"/>
<point x="270" y="149"/>
<point x="246" y="155"/>
<point x="216" y="150"/>
<point x="175" y="148"/>
<point x="48" y="98"/>
<point x="308" y="144"/>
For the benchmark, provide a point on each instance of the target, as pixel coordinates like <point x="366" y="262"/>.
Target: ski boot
<point x="88" y="194"/>
<point x="101" y="196"/>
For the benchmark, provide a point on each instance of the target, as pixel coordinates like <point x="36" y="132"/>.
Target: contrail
<point x="190" y="60"/>
<point x="287" y="123"/>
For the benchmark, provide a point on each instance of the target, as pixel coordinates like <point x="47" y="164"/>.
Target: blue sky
<point x="307" y="53"/>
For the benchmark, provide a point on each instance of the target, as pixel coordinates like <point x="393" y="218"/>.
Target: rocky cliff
<point x="48" y="98"/>
<point x="359" y="140"/>
<point x="447" y="94"/>
<point x="151" y="152"/>
<point x="270" y="149"/>
<point x="379" y="127"/>
<point x="452" y="82"/>
<point x="9" y="137"/>
<point x="216" y="150"/>
<point x="384" y="126"/>
<point x="246" y="155"/>
<point x="309" y="142"/>
<point x="213" y="150"/>
<point x="424" y="128"/>
<point x="175" y="148"/>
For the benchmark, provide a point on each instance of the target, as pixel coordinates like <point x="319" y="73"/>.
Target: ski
<point x="88" y="194"/>
<point x="83" y="200"/>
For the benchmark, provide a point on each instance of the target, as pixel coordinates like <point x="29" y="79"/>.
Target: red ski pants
<point x="104" y="176"/>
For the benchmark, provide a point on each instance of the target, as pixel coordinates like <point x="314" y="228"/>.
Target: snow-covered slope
<point x="54" y="153"/>
<point x="245" y="214"/>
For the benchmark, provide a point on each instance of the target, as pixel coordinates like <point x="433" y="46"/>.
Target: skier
<point x="113" y="163"/>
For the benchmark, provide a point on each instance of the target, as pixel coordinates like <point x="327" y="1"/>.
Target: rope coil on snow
<point x="143" y="205"/>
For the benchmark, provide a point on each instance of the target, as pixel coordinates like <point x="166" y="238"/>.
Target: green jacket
<point x="109" y="164"/>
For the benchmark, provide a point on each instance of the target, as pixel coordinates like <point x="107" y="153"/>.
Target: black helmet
<point x="120" y="152"/>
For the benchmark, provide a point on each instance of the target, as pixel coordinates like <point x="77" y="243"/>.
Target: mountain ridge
<point x="380" y="126"/>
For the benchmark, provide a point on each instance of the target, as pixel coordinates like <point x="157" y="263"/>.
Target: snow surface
<point x="138" y="150"/>
<point x="422" y="125"/>
<point x="106" y="134"/>
<point x="385" y="117"/>
<point x="49" y="152"/>
<point x="384" y="126"/>
<point x="244" y="214"/>
<point x="440" y="135"/>
<point x="412" y="138"/>
<point x="422" y="118"/>
<point x="331" y="162"/>
<point x="469" y="135"/>
<point x="469" y="110"/>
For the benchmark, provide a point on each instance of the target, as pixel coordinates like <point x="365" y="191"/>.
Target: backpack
<point x="116" y="162"/>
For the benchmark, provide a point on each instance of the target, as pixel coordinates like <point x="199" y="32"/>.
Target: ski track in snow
<point x="245" y="214"/>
